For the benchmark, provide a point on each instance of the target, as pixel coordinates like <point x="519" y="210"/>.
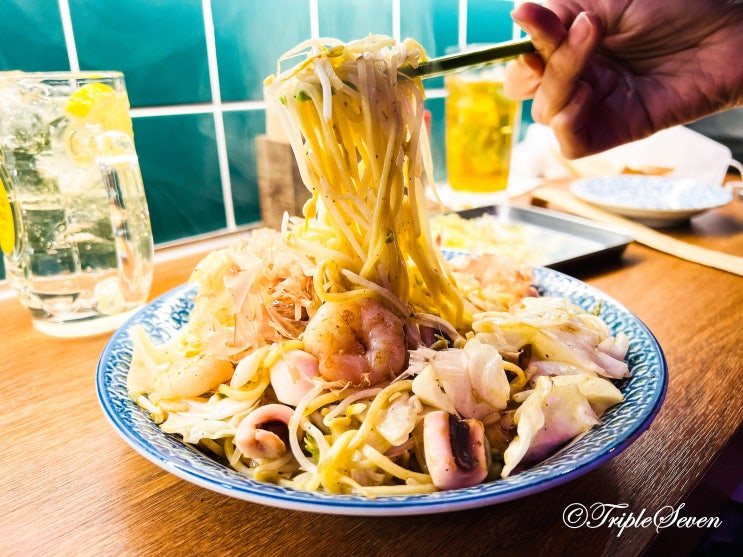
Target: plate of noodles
<point x="621" y="425"/>
<point x="347" y="364"/>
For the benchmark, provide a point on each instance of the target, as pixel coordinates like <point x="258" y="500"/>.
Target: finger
<point x="523" y="76"/>
<point x="542" y="25"/>
<point x="569" y="125"/>
<point x="566" y="65"/>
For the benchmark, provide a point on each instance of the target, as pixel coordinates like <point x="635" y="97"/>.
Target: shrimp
<point x="359" y="342"/>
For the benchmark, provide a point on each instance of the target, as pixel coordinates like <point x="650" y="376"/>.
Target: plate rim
<point x="247" y="489"/>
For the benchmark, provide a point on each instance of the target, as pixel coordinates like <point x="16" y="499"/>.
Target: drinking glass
<point x="74" y="225"/>
<point x="481" y="124"/>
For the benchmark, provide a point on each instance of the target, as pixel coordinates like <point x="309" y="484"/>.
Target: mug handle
<point x="119" y="165"/>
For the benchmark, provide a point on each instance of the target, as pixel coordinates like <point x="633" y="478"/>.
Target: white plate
<point x="622" y="424"/>
<point x="654" y="200"/>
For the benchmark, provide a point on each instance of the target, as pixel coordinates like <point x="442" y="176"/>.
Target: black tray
<point x="564" y="240"/>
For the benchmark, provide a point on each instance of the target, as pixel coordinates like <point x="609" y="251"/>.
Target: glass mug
<point x="74" y="225"/>
<point x="481" y="124"/>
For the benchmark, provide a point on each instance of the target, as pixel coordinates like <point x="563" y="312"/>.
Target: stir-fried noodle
<point x="345" y="353"/>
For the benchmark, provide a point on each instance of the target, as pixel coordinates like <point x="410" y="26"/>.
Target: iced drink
<point x="76" y="234"/>
<point x="480" y="126"/>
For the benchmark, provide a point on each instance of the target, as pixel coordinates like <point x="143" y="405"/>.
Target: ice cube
<point x="24" y="130"/>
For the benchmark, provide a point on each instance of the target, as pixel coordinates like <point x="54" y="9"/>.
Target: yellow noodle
<point x="278" y="350"/>
<point x="361" y="154"/>
<point x="518" y="383"/>
<point x="350" y="399"/>
<point x="374" y="288"/>
<point x="294" y="424"/>
<point x="214" y="446"/>
<point x="388" y="466"/>
<point x="255" y="391"/>
<point x="397" y="490"/>
<point x="325" y="399"/>
<point x="157" y="414"/>
<point x="328" y="468"/>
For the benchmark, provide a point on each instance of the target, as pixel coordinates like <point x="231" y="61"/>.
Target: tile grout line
<point x="436" y="93"/>
<point x="396" y="28"/>
<point x="224" y="165"/>
<point x="314" y="19"/>
<point x="195" y="108"/>
<point x="462" y="29"/>
<point x="69" y="34"/>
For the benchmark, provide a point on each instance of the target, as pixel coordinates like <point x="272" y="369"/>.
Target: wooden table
<point x="72" y="486"/>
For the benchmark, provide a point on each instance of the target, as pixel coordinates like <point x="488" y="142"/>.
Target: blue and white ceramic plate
<point x="654" y="200"/>
<point x="622" y="424"/>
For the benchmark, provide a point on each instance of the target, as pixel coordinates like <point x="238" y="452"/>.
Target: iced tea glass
<point x="74" y="225"/>
<point x="481" y="124"/>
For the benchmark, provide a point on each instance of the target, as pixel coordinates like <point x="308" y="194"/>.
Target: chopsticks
<point x="643" y="234"/>
<point x="470" y="59"/>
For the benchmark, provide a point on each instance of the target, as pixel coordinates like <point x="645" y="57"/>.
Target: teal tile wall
<point x="180" y="168"/>
<point x="249" y="41"/>
<point x="160" y="46"/>
<point x="241" y="128"/>
<point x="438" y="142"/>
<point x="32" y="37"/>
<point x="187" y="111"/>
<point x="489" y="21"/>
<point x="350" y="20"/>
<point x="434" y="24"/>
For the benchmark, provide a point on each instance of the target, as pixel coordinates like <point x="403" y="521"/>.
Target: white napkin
<point x="675" y="152"/>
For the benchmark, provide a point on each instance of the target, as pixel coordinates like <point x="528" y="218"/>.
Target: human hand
<point x="610" y="72"/>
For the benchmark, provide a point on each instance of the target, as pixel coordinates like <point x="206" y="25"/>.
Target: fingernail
<point x="580" y="29"/>
<point x="515" y="17"/>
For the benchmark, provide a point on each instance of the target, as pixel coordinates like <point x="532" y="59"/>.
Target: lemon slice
<point x="98" y="104"/>
<point x="7" y="229"/>
<point x="81" y="101"/>
<point x="94" y="108"/>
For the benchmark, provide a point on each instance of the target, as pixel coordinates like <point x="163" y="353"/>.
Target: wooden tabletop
<point x="72" y="486"/>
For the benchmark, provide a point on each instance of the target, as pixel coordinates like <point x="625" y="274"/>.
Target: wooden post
<point x="279" y="183"/>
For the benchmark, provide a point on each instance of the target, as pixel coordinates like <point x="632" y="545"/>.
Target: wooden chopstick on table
<point x="642" y="234"/>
